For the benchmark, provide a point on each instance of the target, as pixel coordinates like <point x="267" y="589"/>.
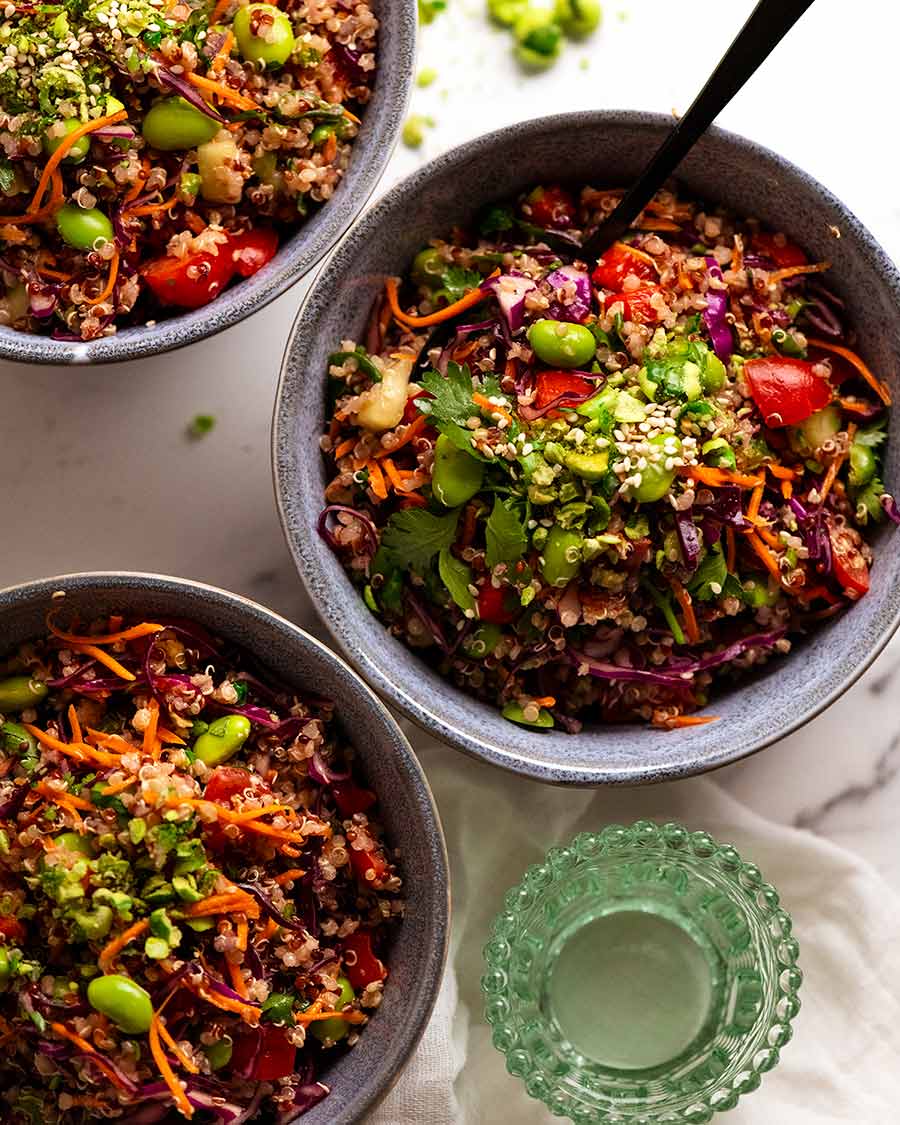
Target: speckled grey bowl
<point x="372" y="149"/>
<point x="612" y="147"/>
<point x="360" y="1077"/>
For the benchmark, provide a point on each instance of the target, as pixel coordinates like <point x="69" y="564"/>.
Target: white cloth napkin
<point x="842" y="1065"/>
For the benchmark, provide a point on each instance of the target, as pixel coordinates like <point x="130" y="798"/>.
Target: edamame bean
<point x="219" y="1054"/>
<point x="561" y="555"/>
<point x="174" y="124"/>
<point x="538" y="39"/>
<point x="72" y="842"/>
<point x="656" y="478"/>
<point x="862" y="464"/>
<point x="16" y="740"/>
<point x="123" y="1000"/>
<point x="56" y="134"/>
<point x="579" y="18"/>
<point x="19" y="692"/>
<point x="336" y="1028"/>
<point x="263" y="34"/>
<point x="482" y="641"/>
<point x="456" y="476"/>
<point x="226" y="735"/>
<point x="516" y="714"/>
<point x="713" y="374"/>
<point x="83" y="228"/>
<point x="560" y="344"/>
<point x="588" y="466"/>
<point x="506" y="12"/>
<point x="5" y="967"/>
<point x="428" y="268"/>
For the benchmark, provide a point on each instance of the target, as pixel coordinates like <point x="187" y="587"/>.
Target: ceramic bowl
<point x="612" y="148"/>
<point x="372" y="149"/>
<point x="361" y="1077"/>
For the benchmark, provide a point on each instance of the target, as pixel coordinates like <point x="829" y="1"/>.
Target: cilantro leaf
<point x="871" y="436"/>
<point x="413" y="537"/>
<point x="7" y="176"/>
<point x="712" y="571"/>
<point x="505" y="535"/>
<point x="457" y="282"/>
<point x="868" y="502"/>
<point x="496" y="220"/>
<point x="457" y="577"/>
<point x="451" y="405"/>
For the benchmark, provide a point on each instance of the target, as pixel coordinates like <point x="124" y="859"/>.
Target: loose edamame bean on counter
<point x="560" y="344"/>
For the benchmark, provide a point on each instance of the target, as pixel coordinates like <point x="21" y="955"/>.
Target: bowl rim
<point x="349" y="641"/>
<point x="330" y="223"/>
<point x="407" y="1037"/>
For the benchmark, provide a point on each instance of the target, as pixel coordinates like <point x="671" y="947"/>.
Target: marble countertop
<point x="98" y="472"/>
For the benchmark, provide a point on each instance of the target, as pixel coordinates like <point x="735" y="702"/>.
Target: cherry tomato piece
<point x="276" y="1058"/>
<point x="637" y="303"/>
<point x="785" y="254"/>
<point x="362" y="967"/>
<point x="850" y="568"/>
<point x="785" y="389"/>
<point x="371" y="868"/>
<point x="350" y="798"/>
<point x="551" y="207"/>
<point x="551" y="384"/>
<point x="192" y="281"/>
<point x="11" y="928"/>
<point x="253" y="249"/>
<point x="618" y="262"/>
<point x="492" y="605"/>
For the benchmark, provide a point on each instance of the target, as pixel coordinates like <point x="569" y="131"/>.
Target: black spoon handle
<point x="766" y="26"/>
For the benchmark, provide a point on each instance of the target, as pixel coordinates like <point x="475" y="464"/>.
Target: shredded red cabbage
<point x="725" y="506"/>
<point x="271" y="909"/>
<point x="688" y="539"/>
<point x="714" y="314"/>
<point x="326" y="532"/>
<point x="577" y="307"/>
<point x="181" y="86"/>
<point x="604" y="671"/>
<point x="320" y="771"/>
<point x="890" y="507"/>
<point x="427" y="620"/>
<point x="510" y="291"/>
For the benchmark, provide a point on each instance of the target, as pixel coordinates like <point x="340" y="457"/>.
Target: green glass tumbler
<point x="643" y="975"/>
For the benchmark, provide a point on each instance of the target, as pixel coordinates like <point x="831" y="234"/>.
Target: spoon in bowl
<point x="766" y="26"/>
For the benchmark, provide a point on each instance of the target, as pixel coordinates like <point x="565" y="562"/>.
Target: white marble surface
<point x="97" y="470"/>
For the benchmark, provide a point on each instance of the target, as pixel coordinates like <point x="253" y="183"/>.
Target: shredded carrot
<point x="81" y="751"/>
<point x="715" y="478"/>
<point x="289" y="876"/>
<point x="237" y="979"/>
<point x="58" y="795"/>
<point x="218" y="11"/>
<point x="796" y="271"/>
<point x="413" y="500"/>
<point x="223" y="52"/>
<point x="271" y="930"/>
<point x="132" y="634"/>
<point x="835" y="466"/>
<point x="737" y="256"/>
<point x="545" y="701"/>
<point x="138" y="186"/>
<point x="678" y="721"/>
<point x="150" y="745"/>
<point x="391" y="469"/>
<point x="376" y="480"/>
<point x="238" y="100"/>
<point x="329" y="149"/>
<point x="659" y="224"/>
<point x="880" y="388"/>
<point x="781" y="472"/>
<point x="489" y="408"/>
<point x="110" y="285"/>
<point x="119" y="787"/>
<point x="62" y="150"/>
<point x="254" y="814"/>
<point x="57" y="275"/>
<point x="168" y="738"/>
<point x="162" y="1063"/>
<point x="242" y="934"/>
<point x="57" y="195"/>
<point x="755" y="501"/>
<point x="787" y="489"/>
<point x="184" y="1061"/>
<point x="687" y="608"/>
<point x="113" y="948"/>
<point x="473" y="297"/>
<point x="114" y="741"/>
<point x="236" y="901"/>
<point x="74" y="723"/>
<point x="730" y="549"/>
<point x="412" y="430"/>
<point x="344" y="448"/>
<point x="246" y="1011"/>
<point x="765" y="556"/>
<point x="99" y="1060"/>
<point x="104" y="658"/>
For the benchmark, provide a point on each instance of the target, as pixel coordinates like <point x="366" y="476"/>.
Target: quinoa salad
<point x="194" y="888"/>
<point x="152" y="152"/>
<point x="601" y="491"/>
